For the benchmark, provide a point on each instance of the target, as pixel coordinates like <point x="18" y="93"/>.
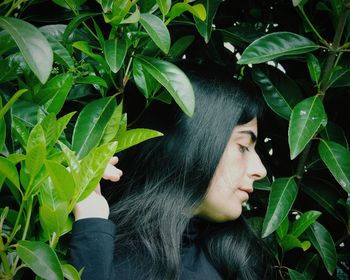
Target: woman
<point x="175" y="214"/>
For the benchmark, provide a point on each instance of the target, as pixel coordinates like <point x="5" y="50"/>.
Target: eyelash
<point x="243" y="149"/>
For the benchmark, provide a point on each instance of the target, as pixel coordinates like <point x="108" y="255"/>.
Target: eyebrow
<point x="252" y="135"/>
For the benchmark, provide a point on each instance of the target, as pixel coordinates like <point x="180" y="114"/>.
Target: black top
<point x="92" y="247"/>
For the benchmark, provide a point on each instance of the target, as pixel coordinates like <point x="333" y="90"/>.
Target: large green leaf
<point x="32" y="44"/>
<point x="157" y="30"/>
<point x="282" y="196"/>
<point x="323" y="242"/>
<point x="8" y="170"/>
<point x="205" y="26"/>
<point x="307" y="117"/>
<point x="173" y="79"/>
<point x="337" y="159"/>
<point x="280" y="92"/>
<point x="61" y="54"/>
<point x="92" y="168"/>
<point x="305" y="220"/>
<point x="87" y="49"/>
<point x="70" y="272"/>
<point x="62" y="180"/>
<point x="90" y="125"/>
<point x="135" y="136"/>
<point x="40" y="258"/>
<point x="290" y="242"/>
<point x="276" y="45"/>
<point x="115" y="51"/>
<point x="53" y="220"/>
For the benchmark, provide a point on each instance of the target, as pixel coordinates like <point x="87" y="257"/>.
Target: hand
<point x="95" y="205"/>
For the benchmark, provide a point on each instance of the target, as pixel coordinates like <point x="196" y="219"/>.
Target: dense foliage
<point x="66" y="67"/>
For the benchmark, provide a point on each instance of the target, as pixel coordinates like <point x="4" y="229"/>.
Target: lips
<point x="247" y="191"/>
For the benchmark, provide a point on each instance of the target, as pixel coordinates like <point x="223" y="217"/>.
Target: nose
<point x="256" y="170"/>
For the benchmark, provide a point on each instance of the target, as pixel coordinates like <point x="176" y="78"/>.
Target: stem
<point x="322" y="40"/>
<point x="14" y="231"/>
<point x="325" y="83"/>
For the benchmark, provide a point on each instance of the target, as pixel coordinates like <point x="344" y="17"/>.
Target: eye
<point x="243" y="149"/>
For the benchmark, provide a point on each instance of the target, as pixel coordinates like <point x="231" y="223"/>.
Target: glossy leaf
<point x="62" y="180"/>
<point x="69" y="272"/>
<point x="92" y="168"/>
<point x="146" y="84"/>
<point x="40" y="258"/>
<point x="290" y="242"/>
<point x="36" y="150"/>
<point x="87" y="49"/>
<point x="164" y="6"/>
<point x="90" y="125"/>
<point x="157" y="30"/>
<point x="335" y="133"/>
<point x="305" y="220"/>
<point x="19" y="131"/>
<point x="295" y="275"/>
<point x="92" y="80"/>
<point x="173" y="79"/>
<point x="179" y="47"/>
<point x="307" y="117"/>
<point x="322" y="240"/>
<point x="32" y="44"/>
<point x="115" y="51"/>
<point x="72" y="160"/>
<point x="282" y="196"/>
<point x="205" y="25"/>
<point x="314" y="67"/>
<point x="76" y="21"/>
<point x="8" y="170"/>
<point x="178" y="9"/>
<point x="280" y="92"/>
<point x="275" y="45"/>
<point x="113" y="125"/>
<point x="135" y="136"/>
<point x="337" y="159"/>
<point x="10" y="103"/>
<point x="282" y="230"/>
<point x="53" y="220"/>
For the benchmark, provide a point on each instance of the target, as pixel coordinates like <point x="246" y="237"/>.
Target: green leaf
<point x="173" y="79"/>
<point x="290" y="242"/>
<point x="205" y="26"/>
<point x="157" y="30"/>
<point x="276" y="45"/>
<point x="115" y="51"/>
<point x="282" y="196"/>
<point x="40" y="258"/>
<point x="178" y="9"/>
<point x="179" y="47"/>
<point x="8" y="170"/>
<point x="69" y="272"/>
<point x="55" y="92"/>
<point x="36" y="150"/>
<point x="92" y="168"/>
<point x="164" y="6"/>
<point x="87" y="49"/>
<point x="282" y="230"/>
<point x="92" y="80"/>
<point x="280" y="92"/>
<point x="90" y="125"/>
<point x="32" y="44"/>
<point x="72" y="161"/>
<point x="53" y="220"/>
<point x="337" y="159"/>
<point x="314" y="67"/>
<point x="61" y="179"/>
<point x="12" y="100"/>
<point x="305" y="220"/>
<point x="323" y="242"/>
<point x="135" y="136"/>
<point x="295" y="275"/>
<point x="133" y="18"/>
<point x="307" y="117"/>
<point x="113" y="125"/>
<point x="335" y="133"/>
<point x="76" y="21"/>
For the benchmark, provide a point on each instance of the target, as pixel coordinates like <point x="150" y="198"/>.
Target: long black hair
<point x="165" y="179"/>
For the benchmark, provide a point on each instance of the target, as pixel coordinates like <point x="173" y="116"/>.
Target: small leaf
<point x="113" y="125"/>
<point x="90" y="125"/>
<point x="323" y="242"/>
<point x="295" y="275"/>
<point x="78" y="19"/>
<point x="173" y="79"/>
<point x="69" y="272"/>
<point x="337" y="159"/>
<point x="115" y="51"/>
<point x="157" y="30"/>
<point x="8" y="170"/>
<point x="40" y="258"/>
<point x="282" y="196"/>
<point x="307" y="117"/>
<point x="33" y="45"/>
<point x="36" y="150"/>
<point x="314" y="67"/>
<point x="305" y="220"/>
<point x="135" y="136"/>
<point x="290" y="242"/>
<point x="179" y="47"/>
<point x="282" y="230"/>
<point x="276" y="45"/>
<point x="178" y="9"/>
<point x="280" y="92"/>
<point x="205" y="26"/>
<point x="92" y="80"/>
<point x="87" y="49"/>
<point x="164" y="6"/>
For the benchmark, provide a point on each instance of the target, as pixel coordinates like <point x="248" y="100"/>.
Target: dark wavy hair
<point x="165" y="179"/>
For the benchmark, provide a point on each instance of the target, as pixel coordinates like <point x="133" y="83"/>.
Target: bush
<point x="80" y="56"/>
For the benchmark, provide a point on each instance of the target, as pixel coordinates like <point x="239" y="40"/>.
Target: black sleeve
<point x="92" y="248"/>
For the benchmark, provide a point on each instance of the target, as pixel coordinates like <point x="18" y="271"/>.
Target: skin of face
<point x="233" y="178"/>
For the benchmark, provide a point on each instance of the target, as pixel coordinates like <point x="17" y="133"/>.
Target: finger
<point x="114" y="160"/>
<point x="112" y="173"/>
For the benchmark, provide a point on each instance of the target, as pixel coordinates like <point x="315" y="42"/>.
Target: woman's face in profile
<point x="233" y="179"/>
